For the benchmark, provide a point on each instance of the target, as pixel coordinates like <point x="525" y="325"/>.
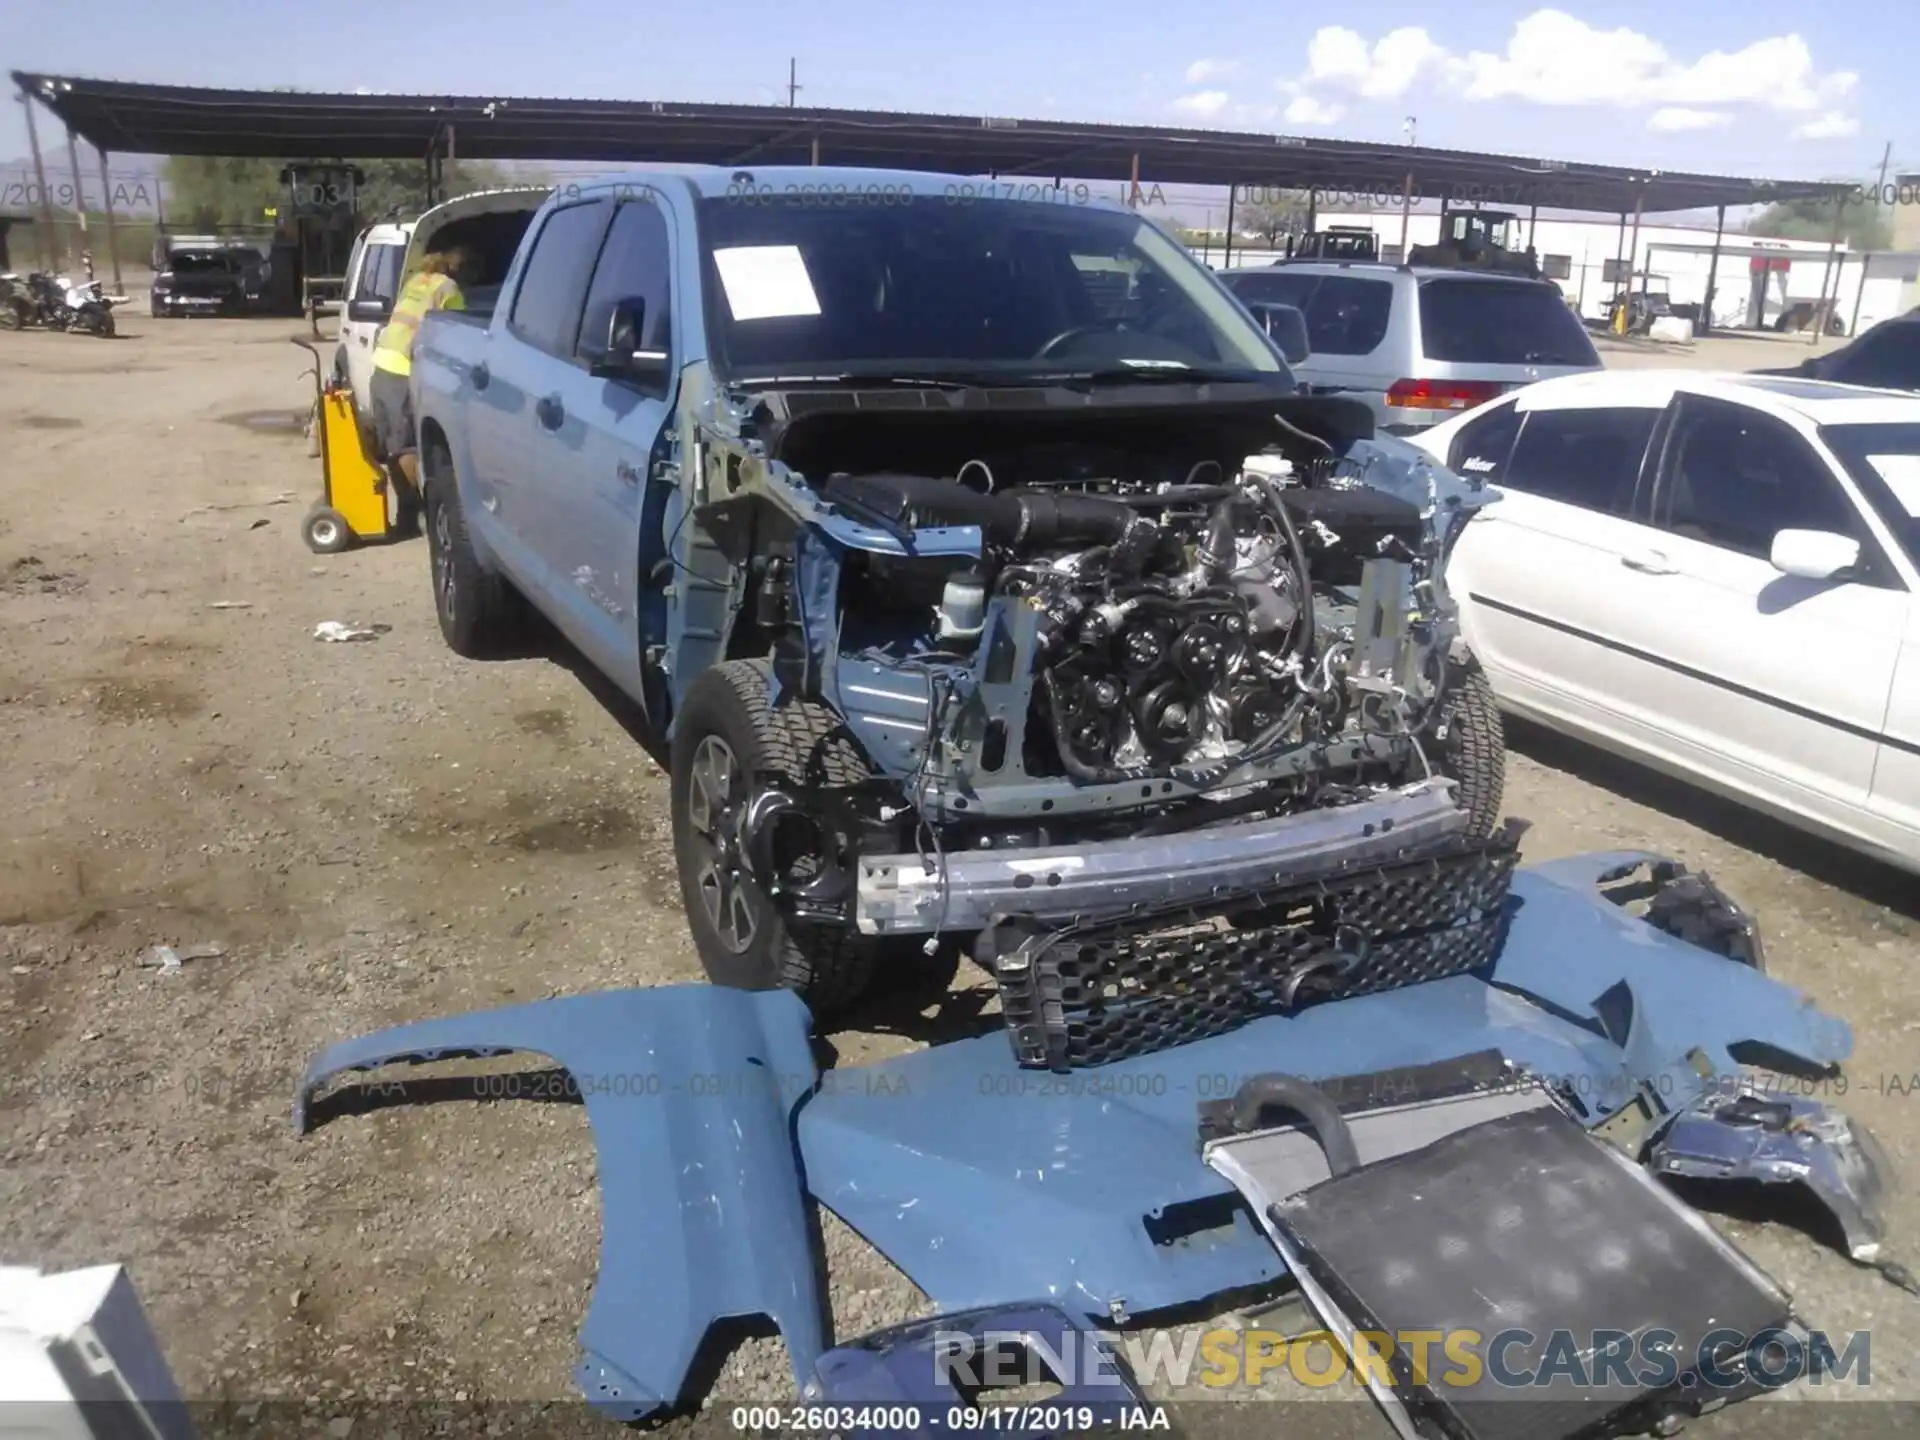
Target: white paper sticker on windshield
<point x="1902" y="474"/>
<point x="766" y="282"/>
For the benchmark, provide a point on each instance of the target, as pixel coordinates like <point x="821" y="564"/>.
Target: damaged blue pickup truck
<point x="994" y="587"/>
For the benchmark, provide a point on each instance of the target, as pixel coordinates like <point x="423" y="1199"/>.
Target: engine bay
<point x="1179" y="624"/>
<point x="1137" y="621"/>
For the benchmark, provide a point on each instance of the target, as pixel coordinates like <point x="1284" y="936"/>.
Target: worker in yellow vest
<point x="435" y="286"/>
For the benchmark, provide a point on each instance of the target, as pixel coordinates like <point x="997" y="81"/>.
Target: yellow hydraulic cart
<point x="354" y="488"/>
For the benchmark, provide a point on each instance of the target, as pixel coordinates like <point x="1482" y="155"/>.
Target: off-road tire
<point x="13" y="314"/>
<point x="478" y="611"/>
<point x="1469" y="745"/>
<point x="801" y="745"/>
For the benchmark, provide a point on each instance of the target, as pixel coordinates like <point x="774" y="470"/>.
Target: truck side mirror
<point x="617" y="354"/>
<point x="369" y="311"/>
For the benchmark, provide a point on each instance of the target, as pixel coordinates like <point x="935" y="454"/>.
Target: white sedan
<point x="1715" y="574"/>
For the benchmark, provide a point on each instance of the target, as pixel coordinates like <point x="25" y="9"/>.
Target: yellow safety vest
<point x="393" y="349"/>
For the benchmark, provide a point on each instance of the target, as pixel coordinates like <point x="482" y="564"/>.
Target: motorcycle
<point x="56" y="303"/>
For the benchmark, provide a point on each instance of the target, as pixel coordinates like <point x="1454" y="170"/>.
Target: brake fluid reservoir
<point x="1269" y="465"/>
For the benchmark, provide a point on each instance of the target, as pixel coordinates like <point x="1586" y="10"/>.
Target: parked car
<point x="1420" y="345"/>
<point x="922" y="525"/>
<point x="224" y="280"/>
<point x="1713" y="574"/>
<point x="1886" y="357"/>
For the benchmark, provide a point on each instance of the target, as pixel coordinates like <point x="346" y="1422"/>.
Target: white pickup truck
<point x="491" y="221"/>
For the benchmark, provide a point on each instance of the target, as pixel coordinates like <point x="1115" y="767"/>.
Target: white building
<point x="1756" y="279"/>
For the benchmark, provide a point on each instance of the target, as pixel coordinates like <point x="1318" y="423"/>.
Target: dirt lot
<point x="379" y="832"/>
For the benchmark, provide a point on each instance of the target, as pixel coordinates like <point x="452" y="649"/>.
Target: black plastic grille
<point x="1096" y="994"/>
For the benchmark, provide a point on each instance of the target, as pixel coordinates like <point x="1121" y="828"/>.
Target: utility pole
<point x="793" y="81"/>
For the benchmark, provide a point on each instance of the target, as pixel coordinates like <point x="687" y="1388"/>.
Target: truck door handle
<point x="549" y="412"/>
<point x="1648" y="562"/>
<point x="479" y="376"/>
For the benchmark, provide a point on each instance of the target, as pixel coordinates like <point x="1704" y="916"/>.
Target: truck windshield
<point x="963" y="289"/>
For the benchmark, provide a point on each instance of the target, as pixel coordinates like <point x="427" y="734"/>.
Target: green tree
<point x="1865" y="223"/>
<point x="1273" y="214"/>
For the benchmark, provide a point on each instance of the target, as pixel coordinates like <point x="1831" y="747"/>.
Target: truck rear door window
<point x="1500" y="322"/>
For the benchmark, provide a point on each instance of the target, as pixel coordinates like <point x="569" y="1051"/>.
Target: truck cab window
<point x="546" y="309"/>
<point x="634" y="264"/>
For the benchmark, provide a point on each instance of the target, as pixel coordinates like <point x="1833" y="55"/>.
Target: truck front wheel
<point x="477" y="609"/>
<point x="1470" y="747"/>
<point x="729" y="741"/>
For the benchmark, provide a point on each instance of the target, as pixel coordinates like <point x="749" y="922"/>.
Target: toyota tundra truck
<point x="992" y="588"/>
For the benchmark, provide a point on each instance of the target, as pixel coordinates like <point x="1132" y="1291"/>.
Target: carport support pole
<point x="113" y="239"/>
<point x="79" y="200"/>
<point x="1406" y="214"/>
<point x="1827" y="270"/>
<point x="1713" y="270"/>
<point x="1313" y="209"/>
<point x="1859" y="291"/>
<point x="47" y="250"/>
<point x="450" y="169"/>
<point x="1133" y="189"/>
<point x="1233" y="192"/>
<point x="1633" y="245"/>
<point x="1533" y="222"/>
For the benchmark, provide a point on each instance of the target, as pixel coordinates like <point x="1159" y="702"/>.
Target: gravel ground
<point x="379" y="832"/>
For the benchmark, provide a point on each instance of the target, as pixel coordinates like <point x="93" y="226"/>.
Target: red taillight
<point x="1442" y="394"/>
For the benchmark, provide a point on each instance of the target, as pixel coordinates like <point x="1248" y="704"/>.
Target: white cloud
<point x="1553" y="58"/>
<point x="1834" y="125"/>
<point x="1339" y="57"/>
<point x="1679" y="117"/>
<point x="1305" y="110"/>
<point x="1201" y="71"/>
<point x="1204" y="103"/>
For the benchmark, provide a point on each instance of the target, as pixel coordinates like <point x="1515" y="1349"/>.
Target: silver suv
<point x="1421" y="344"/>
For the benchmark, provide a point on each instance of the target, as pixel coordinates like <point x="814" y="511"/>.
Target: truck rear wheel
<point x="477" y="609"/>
<point x="1469" y="745"/>
<point x="727" y="733"/>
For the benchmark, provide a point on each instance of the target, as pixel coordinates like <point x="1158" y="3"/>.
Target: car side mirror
<point x="1286" y="326"/>
<point x="1814" y="554"/>
<point x="618" y="356"/>
<point x="369" y="311"/>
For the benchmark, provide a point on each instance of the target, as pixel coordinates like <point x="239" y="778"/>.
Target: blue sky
<point x="1760" y="87"/>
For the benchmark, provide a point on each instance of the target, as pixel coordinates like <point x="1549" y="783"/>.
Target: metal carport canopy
<point x="291" y="124"/>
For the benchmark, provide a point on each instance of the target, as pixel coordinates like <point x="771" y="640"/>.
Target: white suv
<point x="1421" y="344"/>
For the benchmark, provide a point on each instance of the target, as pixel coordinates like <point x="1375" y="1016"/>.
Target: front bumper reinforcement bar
<point x="967" y="890"/>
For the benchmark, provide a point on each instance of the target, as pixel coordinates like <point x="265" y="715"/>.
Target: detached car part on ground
<point x="1048" y="1204"/>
